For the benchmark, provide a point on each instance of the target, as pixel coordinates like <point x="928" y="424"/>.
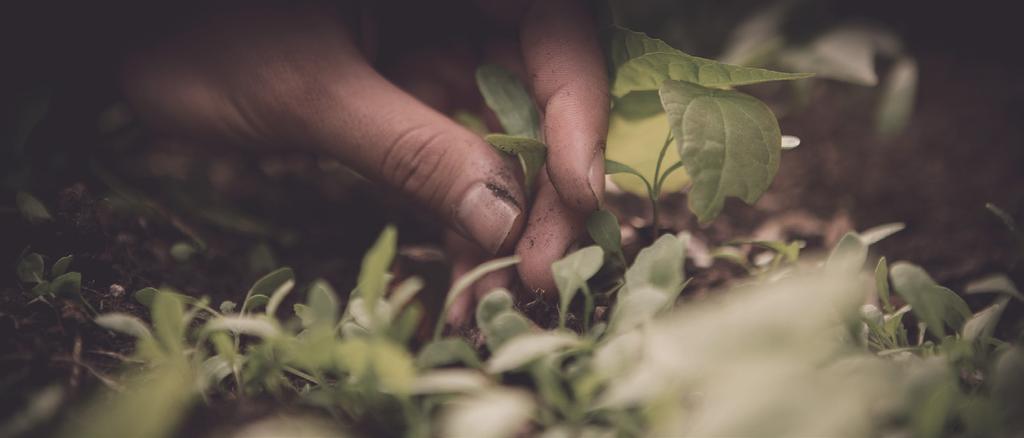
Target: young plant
<point x="58" y="282"/>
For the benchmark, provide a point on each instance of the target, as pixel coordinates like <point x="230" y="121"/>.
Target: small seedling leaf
<point x="449" y="381"/>
<point x="60" y="267"/>
<point x="323" y="304"/>
<point x="465" y="281"/>
<point x="124" y="323"/>
<point x="659" y="266"/>
<point x="874" y="235"/>
<point x="30" y="268"/>
<point x="258" y="326"/>
<point x="495" y="302"/>
<point x="637" y="307"/>
<point x="982" y="324"/>
<point x="509" y="100"/>
<point x="603" y="227"/>
<point x="898" y="93"/>
<point x="491" y="413"/>
<point x="279" y="295"/>
<point x="572" y="272"/>
<point x="996" y="283"/>
<point x="882" y="283"/>
<point x="505" y="326"/>
<point x="168" y="315"/>
<point x="266" y="286"/>
<point x="32" y="209"/>
<point x="68" y="285"/>
<point x="849" y="254"/>
<point x="527" y="348"/>
<point x="447" y="351"/>
<point x="934" y="305"/>
<point x="729" y="144"/>
<point x="373" y="274"/>
<point x="182" y="251"/>
<point x="405" y="292"/>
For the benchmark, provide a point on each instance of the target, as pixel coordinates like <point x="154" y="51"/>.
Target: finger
<point x="553" y="229"/>
<point x="306" y="83"/>
<point x="563" y="59"/>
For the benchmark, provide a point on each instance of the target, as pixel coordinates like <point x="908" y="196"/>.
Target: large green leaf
<point x="509" y="100"/>
<point x="933" y="304"/>
<point x="572" y="272"/>
<point x="643" y="63"/>
<point x="531" y="153"/>
<point x="729" y="143"/>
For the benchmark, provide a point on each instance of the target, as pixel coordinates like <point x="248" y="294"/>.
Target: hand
<point x="302" y="77"/>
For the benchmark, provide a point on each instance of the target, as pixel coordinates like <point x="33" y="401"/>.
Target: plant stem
<point x="655" y="192"/>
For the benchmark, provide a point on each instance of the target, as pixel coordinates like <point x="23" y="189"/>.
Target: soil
<point x="962" y="149"/>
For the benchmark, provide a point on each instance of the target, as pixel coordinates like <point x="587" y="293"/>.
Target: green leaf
<point x="61" y="266"/>
<point x="849" y="254"/>
<point x="982" y="324"/>
<point x="505" y="326"/>
<point x="32" y="209"/>
<point x="30" y="268"/>
<point x="404" y="292"/>
<point x="447" y="351"/>
<point x="323" y="304"/>
<point x="68" y="285"/>
<point x="509" y="100"/>
<point x="266" y="286"/>
<point x="882" y="283"/>
<point x="934" y="305"/>
<point x="659" y="266"/>
<point x="495" y="413"/>
<point x="182" y="251"/>
<point x="897" y="102"/>
<point x="254" y="302"/>
<point x="995" y="283"/>
<point x="638" y="306"/>
<point x="392" y="367"/>
<point x="527" y="348"/>
<point x="572" y="272"/>
<point x="168" y="315"/>
<point x="373" y="274"/>
<point x="465" y="281"/>
<point x="603" y="227"/>
<point x="42" y="288"/>
<point x="626" y="44"/>
<point x="729" y="144"/>
<point x="124" y="323"/>
<point x="146" y="296"/>
<point x="471" y="122"/>
<point x="258" y="326"/>
<point x="531" y="154"/>
<point x="449" y="381"/>
<point x="876" y="234"/>
<point x="495" y="302"/>
<point x="279" y="295"/>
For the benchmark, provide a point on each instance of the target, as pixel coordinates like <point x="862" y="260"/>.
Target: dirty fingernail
<point x="486" y="215"/>
<point x="595" y="176"/>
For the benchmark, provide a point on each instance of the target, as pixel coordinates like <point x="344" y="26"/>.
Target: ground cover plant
<point x="809" y="337"/>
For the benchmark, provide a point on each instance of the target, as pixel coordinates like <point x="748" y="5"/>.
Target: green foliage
<point x="532" y="154"/>
<point x="32" y="209"/>
<point x="509" y="100"/>
<point x="60" y="283"/>
<point x="934" y="305"/>
<point x="729" y="143"/>
<point x="571" y="274"/>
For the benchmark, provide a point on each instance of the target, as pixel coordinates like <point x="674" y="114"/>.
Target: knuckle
<point x="416" y="162"/>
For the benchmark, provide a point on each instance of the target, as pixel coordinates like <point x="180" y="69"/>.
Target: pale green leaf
<point x="505" y="326"/>
<point x="875" y="234"/>
<point x="278" y="296"/>
<point x="393" y="367"/>
<point x="849" y="254"/>
<point x="449" y="381"/>
<point x="633" y="147"/>
<point x="982" y="324"/>
<point x="265" y="287"/>
<point x="495" y="302"/>
<point x="934" y="305"/>
<point x="729" y="144"/>
<point x="637" y="307"/>
<point x="509" y="100"/>
<point x="572" y="272"/>
<point x="995" y="283"/>
<point x="531" y="154"/>
<point x="373" y="273"/>
<point x="527" y="348"/>
<point x="68" y="285"/>
<point x="32" y="209"/>
<point x="882" y="283"/>
<point x="323" y="304"/>
<point x="404" y="292"/>
<point x="897" y="102"/>
<point x="60" y="267"/>
<point x="496" y="413"/>
<point x="124" y="323"/>
<point x="30" y="268"/>
<point x="258" y="326"/>
<point x="659" y="266"/>
<point x="447" y="351"/>
<point x="168" y="315"/>
<point x="182" y="251"/>
<point x="465" y="281"/>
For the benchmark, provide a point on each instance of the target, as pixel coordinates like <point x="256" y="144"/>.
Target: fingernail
<point x="487" y="214"/>
<point x="595" y="176"/>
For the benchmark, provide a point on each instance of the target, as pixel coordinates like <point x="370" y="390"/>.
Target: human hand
<point x="306" y="77"/>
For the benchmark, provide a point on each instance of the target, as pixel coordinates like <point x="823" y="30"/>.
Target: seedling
<point x="57" y="283"/>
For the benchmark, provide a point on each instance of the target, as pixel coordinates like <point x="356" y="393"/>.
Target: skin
<point x="371" y="87"/>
